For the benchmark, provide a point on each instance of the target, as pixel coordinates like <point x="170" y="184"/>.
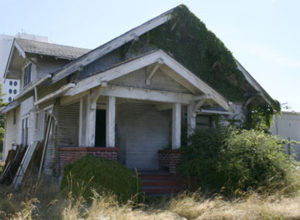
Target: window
<point x="10" y="83"/>
<point x="27" y="74"/>
<point x="25" y="131"/>
<point x="10" y="91"/>
<point x="9" y="99"/>
<point x="15" y="91"/>
<point x="15" y="83"/>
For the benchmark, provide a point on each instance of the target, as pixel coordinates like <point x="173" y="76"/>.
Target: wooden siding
<point x="68" y="125"/>
<point x="142" y="130"/>
<point x="12" y="131"/>
<point x="159" y="81"/>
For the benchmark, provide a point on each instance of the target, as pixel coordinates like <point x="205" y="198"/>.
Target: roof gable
<point x="180" y="74"/>
<point x="22" y="47"/>
<point x="182" y="34"/>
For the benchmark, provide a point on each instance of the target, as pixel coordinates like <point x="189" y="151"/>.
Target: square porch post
<point x="110" y="121"/>
<point x="191" y="119"/>
<point x="87" y="118"/>
<point x="176" y="126"/>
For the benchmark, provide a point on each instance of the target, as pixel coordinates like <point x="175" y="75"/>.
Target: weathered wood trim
<point x="111" y="45"/>
<point x="110" y="121"/>
<point x="80" y="142"/>
<point x="68" y="100"/>
<point x="147" y="60"/>
<point x="176" y="126"/>
<point x="33" y="86"/>
<point x="55" y="94"/>
<point x="144" y="94"/>
<point x="148" y="80"/>
<point x="191" y="119"/>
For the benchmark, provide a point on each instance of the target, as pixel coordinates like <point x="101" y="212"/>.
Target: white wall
<point x="287" y="125"/>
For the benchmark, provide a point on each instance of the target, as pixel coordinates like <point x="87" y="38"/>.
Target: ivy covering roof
<point x="188" y="40"/>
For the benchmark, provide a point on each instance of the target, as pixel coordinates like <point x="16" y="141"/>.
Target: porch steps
<point x="163" y="183"/>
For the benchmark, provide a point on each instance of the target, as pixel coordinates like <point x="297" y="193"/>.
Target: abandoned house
<point x="139" y="93"/>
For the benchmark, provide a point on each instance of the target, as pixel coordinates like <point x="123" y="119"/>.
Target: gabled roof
<point x="130" y="36"/>
<point x="50" y="49"/>
<point x="110" y="46"/>
<point x="186" y="77"/>
<point x="25" y="46"/>
<point x="254" y="83"/>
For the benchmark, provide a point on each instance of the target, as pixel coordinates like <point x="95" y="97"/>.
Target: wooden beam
<point x="68" y="100"/>
<point x="55" y="94"/>
<point x="91" y="116"/>
<point x="148" y="80"/>
<point x="144" y="94"/>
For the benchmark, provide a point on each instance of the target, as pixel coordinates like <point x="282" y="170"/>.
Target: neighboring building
<point x="126" y="99"/>
<point x="287" y="125"/>
<point x="10" y="88"/>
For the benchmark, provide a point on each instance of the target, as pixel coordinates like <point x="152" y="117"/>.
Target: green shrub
<point x="233" y="161"/>
<point x="102" y="175"/>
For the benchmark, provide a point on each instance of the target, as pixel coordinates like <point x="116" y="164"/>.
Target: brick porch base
<point x="70" y="154"/>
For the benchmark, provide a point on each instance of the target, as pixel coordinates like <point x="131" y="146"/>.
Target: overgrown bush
<point x="102" y="175"/>
<point x="234" y="161"/>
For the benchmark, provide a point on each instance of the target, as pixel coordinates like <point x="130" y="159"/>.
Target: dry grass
<point x="44" y="202"/>
<point x="183" y="207"/>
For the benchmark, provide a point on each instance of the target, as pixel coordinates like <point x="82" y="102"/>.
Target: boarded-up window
<point x="27" y="74"/>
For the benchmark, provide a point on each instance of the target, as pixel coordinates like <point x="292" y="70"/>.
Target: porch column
<point x="191" y="119"/>
<point x="82" y="134"/>
<point x="110" y="121"/>
<point x="176" y="126"/>
<point x="91" y="122"/>
<point x="87" y="118"/>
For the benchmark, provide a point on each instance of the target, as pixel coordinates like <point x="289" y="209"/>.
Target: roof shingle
<point x="49" y="49"/>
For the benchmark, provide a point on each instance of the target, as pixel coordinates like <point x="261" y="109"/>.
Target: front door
<point x="100" y="137"/>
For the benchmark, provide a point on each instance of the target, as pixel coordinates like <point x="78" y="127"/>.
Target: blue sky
<point x="264" y="35"/>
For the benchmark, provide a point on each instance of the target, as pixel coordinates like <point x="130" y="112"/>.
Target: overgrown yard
<point x="242" y="174"/>
<point x="45" y="202"/>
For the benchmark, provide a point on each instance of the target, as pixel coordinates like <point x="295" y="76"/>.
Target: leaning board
<point x="24" y="164"/>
